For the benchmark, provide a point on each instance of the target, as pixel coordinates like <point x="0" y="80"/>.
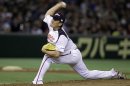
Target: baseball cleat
<point x="119" y="75"/>
<point x="37" y="82"/>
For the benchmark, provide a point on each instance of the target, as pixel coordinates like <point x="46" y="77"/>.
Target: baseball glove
<point x="49" y="47"/>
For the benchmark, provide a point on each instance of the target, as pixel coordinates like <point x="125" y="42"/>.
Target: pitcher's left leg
<point x="81" y="68"/>
<point x="42" y="70"/>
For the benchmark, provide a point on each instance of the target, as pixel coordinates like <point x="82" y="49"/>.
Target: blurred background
<point x="100" y="29"/>
<point x="86" y="17"/>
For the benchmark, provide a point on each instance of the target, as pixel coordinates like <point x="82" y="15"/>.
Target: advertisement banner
<point x="104" y="47"/>
<point x="93" y="47"/>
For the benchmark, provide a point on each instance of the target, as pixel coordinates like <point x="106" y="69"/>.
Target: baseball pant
<point x="74" y="59"/>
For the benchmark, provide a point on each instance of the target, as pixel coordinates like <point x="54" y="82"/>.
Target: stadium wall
<point x="93" y="47"/>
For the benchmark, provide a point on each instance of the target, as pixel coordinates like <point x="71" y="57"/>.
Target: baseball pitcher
<point x="62" y="50"/>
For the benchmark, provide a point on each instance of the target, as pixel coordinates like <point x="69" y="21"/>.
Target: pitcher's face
<point x="55" y="23"/>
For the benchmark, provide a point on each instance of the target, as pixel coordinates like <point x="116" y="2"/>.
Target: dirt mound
<point x="79" y="83"/>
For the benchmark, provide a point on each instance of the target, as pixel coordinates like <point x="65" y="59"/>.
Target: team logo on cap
<point x="57" y="14"/>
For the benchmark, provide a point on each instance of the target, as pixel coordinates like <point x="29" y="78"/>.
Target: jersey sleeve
<point x="61" y="43"/>
<point x="48" y="20"/>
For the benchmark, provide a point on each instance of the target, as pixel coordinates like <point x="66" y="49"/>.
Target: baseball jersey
<point x="59" y="38"/>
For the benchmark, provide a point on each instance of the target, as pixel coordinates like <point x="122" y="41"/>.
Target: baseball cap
<point x="60" y="17"/>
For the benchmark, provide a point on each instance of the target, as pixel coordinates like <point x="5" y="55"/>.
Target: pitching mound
<point x="80" y="83"/>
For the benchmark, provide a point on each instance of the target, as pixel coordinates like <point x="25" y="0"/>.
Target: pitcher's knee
<point x="85" y="75"/>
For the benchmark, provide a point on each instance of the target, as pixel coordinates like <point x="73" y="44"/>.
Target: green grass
<point x="19" y="77"/>
<point x="121" y="65"/>
<point x="22" y="77"/>
<point x="13" y="77"/>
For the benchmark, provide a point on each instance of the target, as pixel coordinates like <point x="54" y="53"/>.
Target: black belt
<point x="68" y="53"/>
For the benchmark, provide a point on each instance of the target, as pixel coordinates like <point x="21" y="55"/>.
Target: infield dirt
<point x="79" y="83"/>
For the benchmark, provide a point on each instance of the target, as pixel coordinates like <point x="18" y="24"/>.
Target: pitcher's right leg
<point x="81" y="68"/>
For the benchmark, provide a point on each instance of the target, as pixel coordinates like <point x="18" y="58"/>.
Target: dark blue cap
<point x="60" y="17"/>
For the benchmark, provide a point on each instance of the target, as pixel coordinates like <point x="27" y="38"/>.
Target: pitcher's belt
<point x="68" y="53"/>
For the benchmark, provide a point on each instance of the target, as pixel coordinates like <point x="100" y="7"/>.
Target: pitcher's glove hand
<point x="49" y="47"/>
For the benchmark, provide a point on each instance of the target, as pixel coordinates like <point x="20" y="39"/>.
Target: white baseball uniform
<point x="70" y="55"/>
